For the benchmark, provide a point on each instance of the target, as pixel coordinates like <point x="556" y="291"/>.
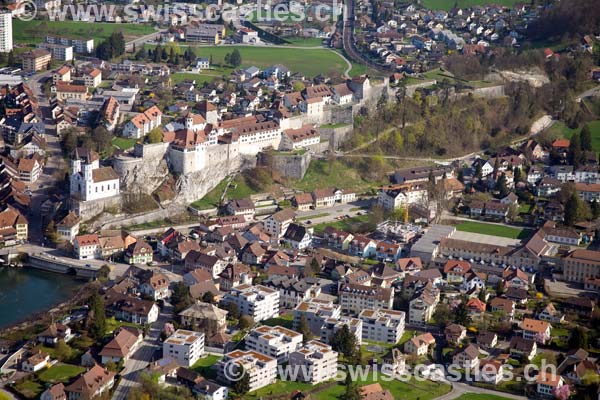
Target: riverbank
<point x="34" y="322"/>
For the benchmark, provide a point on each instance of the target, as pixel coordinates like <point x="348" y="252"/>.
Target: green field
<point x="323" y="173"/>
<point x="60" y="373"/>
<point x="493" y="230"/>
<point x="239" y="188"/>
<point x="349" y="224"/>
<point x="204" y="366"/>
<point x="29" y="389"/>
<point x="448" y="4"/>
<point x="4" y="396"/>
<point x="33" y="32"/>
<point x="322" y="61"/>
<point x="477" y="396"/>
<point x="440" y="76"/>
<point x="560" y="128"/>
<point x="205" y="76"/>
<point x="112" y="324"/>
<point x="304" y="42"/>
<point x="123" y="143"/>
<point x="412" y="390"/>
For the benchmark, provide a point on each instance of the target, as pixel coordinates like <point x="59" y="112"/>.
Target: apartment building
<point x="276" y="225"/>
<point x="6" y="32"/>
<point x="355" y="298"/>
<point x="260" y="368"/>
<point x="580" y="265"/>
<point x="83" y="46"/>
<point x="422" y="306"/>
<point x="259" y="302"/>
<point x="316" y="312"/>
<point x="186" y="347"/>
<point x="332" y="325"/>
<point x="205" y="33"/>
<point x="87" y="247"/>
<point x="382" y="325"/>
<point x="315" y="361"/>
<point x="393" y="197"/>
<point x="276" y="341"/>
<point x="36" y="60"/>
<point x="59" y="52"/>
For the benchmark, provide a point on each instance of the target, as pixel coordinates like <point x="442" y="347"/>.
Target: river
<point x="24" y="292"/>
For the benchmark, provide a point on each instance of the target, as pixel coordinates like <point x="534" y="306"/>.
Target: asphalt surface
<point x="145" y="354"/>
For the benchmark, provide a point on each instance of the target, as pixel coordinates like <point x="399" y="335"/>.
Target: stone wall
<point x="335" y="136"/>
<point x="286" y="165"/>
<point x="89" y="209"/>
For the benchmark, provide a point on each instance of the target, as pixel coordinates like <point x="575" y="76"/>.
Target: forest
<point x="437" y="122"/>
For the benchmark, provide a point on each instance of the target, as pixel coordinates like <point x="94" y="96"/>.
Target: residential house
<point x="124" y="343"/>
<point x="419" y="345"/>
<point x="92" y="383"/>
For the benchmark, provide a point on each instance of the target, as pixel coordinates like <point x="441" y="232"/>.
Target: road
<point x="588" y="93"/>
<point x="538" y="126"/>
<point x="458" y="389"/>
<point x="349" y="42"/>
<point x="145" y="354"/>
<point x="143" y="39"/>
<point x="55" y="167"/>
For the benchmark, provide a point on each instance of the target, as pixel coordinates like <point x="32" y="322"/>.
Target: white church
<point x="88" y="180"/>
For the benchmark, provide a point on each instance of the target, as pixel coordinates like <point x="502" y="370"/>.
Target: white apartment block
<point x="396" y="197"/>
<point x="315" y="361"/>
<point x="79" y="45"/>
<point x="59" y="52"/>
<point x="6" y="33"/>
<point x="186" y="347"/>
<point x="277" y="341"/>
<point x="333" y="325"/>
<point x="87" y="247"/>
<point x="261" y="369"/>
<point x="385" y="326"/>
<point x="259" y="302"/>
<point x="316" y="312"/>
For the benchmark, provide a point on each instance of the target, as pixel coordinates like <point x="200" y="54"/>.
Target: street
<point x="143" y="355"/>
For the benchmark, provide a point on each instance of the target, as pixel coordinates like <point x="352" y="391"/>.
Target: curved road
<point x="349" y="43"/>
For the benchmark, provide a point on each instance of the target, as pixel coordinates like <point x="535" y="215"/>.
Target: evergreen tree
<point x="501" y="186"/>
<point x="517" y="175"/>
<point x="578" y="338"/>
<point x="97" y="328"/>
<point x="573" y="210"/>
<point x="574" y="156"/>
<point x="304" y="329"/>
<point x="586" y="138"/>
<point x="235" y="59"/>
<point x="242" y="386"/>
<point x="11" y="58"/>
<point x="352" y="391"/>
<point x="344" y="341"/>
<point x="461" y="314"/>
<point x="208" y="297"/>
